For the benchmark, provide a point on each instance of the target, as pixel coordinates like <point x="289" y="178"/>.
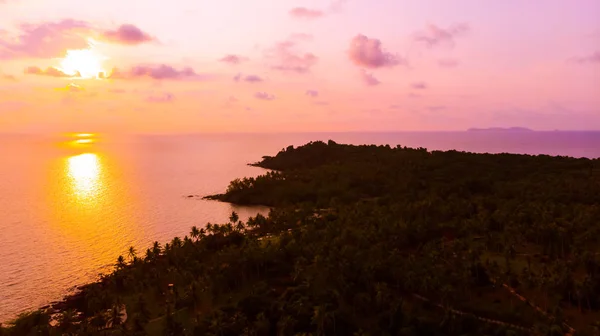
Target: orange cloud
<point x="71" y="88"/>
<point x="6" y="77"/>
<point x="50" y="71"/>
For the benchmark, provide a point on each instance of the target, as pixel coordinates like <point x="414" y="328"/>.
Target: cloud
<point x="161" y="98"/>
<point x="253" y="79"/>
<point x="230" y="102"/>
<point x="419" y="85"/>
<point x="264" y="96"/>
<point x="306" y="13"/>
<point x="248" y="78"/>
<point x="337" y="6"/>
<point x="127" y="34"/>
<point x="9" y="78"/>
<point x="436" y="108"/>
<point x="233" y="59"/>
<point x="45" y="40"/>
<point x="368" y="78"/>
<point x="286" y="58"/>
<point x="433" y="35"/>
<point x="73" y="88"/>
<point x="322" y="103"/>
<point x="159" y="72"/>
<point x="119" y="91"/>
<point x="395" y="106"/>
<point x="312" y="93"/>
<point x="51" y="39"/>
<point x="50" y="71"/>
<point x="448" y="63"/>
<point x="311" y="14"/>
<point x="592" y="58"/>
<point x="368" y="52"/>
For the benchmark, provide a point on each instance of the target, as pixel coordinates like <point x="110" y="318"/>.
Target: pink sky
<point x="305" y="65"/>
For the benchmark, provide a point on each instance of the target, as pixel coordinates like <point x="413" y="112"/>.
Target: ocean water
<point x="68" y="210"/>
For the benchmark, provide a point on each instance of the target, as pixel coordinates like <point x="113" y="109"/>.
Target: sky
<point x="181" y="66"/>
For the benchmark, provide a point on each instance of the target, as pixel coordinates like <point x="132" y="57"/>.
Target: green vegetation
<point x="368" y="240"/>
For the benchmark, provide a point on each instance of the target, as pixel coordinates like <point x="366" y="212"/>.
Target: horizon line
<point x="469" y="130"/>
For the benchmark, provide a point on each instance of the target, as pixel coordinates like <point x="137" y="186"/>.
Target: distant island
<point x="366" y="240"/>
<point x="501" y="129"/>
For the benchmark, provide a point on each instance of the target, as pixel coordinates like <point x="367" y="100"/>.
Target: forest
<point x="366" y="240"/>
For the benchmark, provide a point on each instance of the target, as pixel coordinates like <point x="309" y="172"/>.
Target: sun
<point x="84" y="63"/>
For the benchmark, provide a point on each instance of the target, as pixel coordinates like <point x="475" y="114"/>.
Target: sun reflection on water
<point x="84" y="173"/>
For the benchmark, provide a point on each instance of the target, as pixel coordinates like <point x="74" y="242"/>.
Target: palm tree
<point x="156" y="249"/>
<point x="195" y="233"/>
<point x="132" y="253"/>
<point x="98" y="321"/>
<point x="116" y="315"/>
<point x="234" y="217"/>
<point x="120" y="262"/>
<point x="176" y="242"/>
<point x="149" y="255"/>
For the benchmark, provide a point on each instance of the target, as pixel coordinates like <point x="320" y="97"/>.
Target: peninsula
<point x="367" y="240"/>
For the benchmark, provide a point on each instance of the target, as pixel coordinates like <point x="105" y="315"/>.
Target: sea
<point x="71" y="204"/>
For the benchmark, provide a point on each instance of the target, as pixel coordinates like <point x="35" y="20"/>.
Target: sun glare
<point x="84" y="171"/>
<point x="85" y="63"/>
<point x="81" y="139"/>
